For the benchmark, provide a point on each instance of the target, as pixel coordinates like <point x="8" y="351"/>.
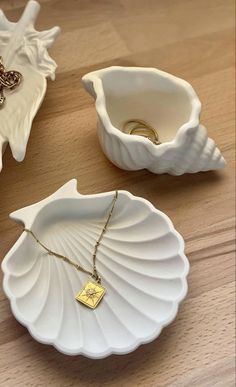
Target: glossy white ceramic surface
<point x="26" y="50"/>
<point x="141" y="261"/>
<point x="166" y="102"/>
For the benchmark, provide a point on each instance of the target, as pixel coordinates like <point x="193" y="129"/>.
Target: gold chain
<point x="8" y="80"/>
<point x="94" y="274"/>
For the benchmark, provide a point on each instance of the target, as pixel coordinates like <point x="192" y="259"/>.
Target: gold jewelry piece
<point x="8" y="80"/>
<point x="141" y="128"/>
<point x="92" y="292"/>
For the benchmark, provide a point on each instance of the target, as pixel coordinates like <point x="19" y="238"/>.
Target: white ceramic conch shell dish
<point x="24" y="49"/>
<point x="168" y="103"/>
<point x="141" y="261"/>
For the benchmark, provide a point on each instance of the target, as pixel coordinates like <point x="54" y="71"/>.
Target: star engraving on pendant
<point x="92" y="294"/>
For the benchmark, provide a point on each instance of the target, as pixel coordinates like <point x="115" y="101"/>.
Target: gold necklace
<point x="141" y="128"/>
<point x="92" y="292"/>
<point x="8" y="80"/>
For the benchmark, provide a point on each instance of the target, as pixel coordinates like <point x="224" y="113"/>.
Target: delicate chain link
<point x="8" y="80"/>
<point x="94" y="274"/>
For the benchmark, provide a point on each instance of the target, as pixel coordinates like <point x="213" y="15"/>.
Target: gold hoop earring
<point x="139" y="127"/>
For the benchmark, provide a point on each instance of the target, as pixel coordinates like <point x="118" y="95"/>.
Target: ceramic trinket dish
<point x="164" y="101"/>
<point x="24" y="49"/>
<point x="141" y="261"/>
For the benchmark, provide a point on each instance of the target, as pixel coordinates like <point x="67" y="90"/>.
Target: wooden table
<point x="192" y="39"/>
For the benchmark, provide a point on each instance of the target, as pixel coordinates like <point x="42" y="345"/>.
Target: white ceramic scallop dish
<point x="141" y="260"/>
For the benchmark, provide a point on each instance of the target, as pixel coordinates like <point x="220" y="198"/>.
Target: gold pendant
<point x="91" y="294"/>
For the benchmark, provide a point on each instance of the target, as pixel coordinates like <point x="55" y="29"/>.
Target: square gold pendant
<point x="91" y="294"/>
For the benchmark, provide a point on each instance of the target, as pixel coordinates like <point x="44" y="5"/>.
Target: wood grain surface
<point x="193" y="39"/>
